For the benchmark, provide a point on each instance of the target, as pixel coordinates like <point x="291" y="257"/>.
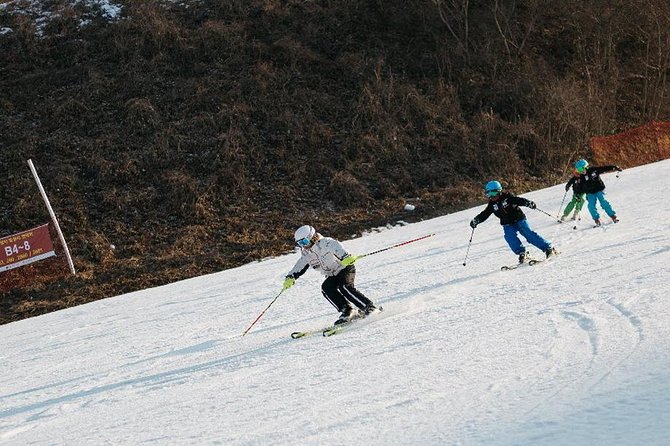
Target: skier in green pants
<point x="578" y="197"/>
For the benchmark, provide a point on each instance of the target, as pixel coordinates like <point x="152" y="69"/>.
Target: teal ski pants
<point x="599" y="197"/>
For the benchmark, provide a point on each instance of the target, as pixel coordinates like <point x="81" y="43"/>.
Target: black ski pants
<point x="340" y="290"/>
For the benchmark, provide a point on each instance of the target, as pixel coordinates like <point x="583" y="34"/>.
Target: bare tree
<point x="656" y="64"/>
<point x="455" y="15"/>
<point x="514" y="29"/>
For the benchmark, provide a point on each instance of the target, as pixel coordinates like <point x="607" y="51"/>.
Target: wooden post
<point x="53" y="216"/>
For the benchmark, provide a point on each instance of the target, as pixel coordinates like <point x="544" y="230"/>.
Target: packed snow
<point x="43" y="12"/>
<point x="571" y="351"/>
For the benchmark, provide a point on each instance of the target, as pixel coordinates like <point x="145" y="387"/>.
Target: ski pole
<point x="263" y="312"/>
<point x="546" y="213"/>
<point x="558" y="215"/>
<point x="469" y="243"/>
<point x="395" y="246"/>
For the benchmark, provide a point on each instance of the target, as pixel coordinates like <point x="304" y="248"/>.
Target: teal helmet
<point x="581" y="166"/>
<point x="493" y="188"/>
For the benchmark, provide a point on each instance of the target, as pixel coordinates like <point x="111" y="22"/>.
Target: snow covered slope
<point x="572" y="351"/>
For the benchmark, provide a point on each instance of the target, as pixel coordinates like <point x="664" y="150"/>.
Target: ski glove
<point x="532" y="205"/>
<point x="288" y="283"/>
<point x="474" y="223"/>
<point x="618" y="169"/>
<point x="349" y="260"/>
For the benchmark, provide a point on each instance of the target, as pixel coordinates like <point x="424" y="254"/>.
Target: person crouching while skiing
<point x="578" y="197"/>
<point x="329" y="256"/>
<point x="505" y="206"/>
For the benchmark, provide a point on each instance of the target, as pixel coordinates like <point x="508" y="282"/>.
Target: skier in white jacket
<point x="329" y="256"/>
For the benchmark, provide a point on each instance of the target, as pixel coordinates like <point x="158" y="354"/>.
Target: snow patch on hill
<point x="43" y="12"/>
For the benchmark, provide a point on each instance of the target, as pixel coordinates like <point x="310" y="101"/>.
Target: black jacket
<point x="577" y="183"/>
<point x="591" y="181"/>
<point x="505" y="207"/>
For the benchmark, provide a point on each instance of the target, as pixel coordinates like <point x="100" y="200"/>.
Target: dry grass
<point x="197" y="139"/>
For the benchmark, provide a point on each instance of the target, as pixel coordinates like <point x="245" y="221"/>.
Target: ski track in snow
<point x="570" y="351"/>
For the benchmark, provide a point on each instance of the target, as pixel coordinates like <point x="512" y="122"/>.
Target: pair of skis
<point x="331" y="329"/>
<point x="601" y="225"/>
<point x="529" y="263"/>
<point x="326" y="332"/>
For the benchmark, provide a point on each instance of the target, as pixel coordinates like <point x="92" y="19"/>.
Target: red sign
<point x="25" y="247"/>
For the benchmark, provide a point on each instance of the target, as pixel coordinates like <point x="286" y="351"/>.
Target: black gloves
<point x="618" y="169"/>
<point x="532" y="205"/>
<point x="474" y="223"/>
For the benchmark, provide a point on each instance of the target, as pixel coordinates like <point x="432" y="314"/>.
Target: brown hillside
<point x="197" y="139"/>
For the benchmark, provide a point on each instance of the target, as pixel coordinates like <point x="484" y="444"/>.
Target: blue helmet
<point x="581" y="165"/>
<point x="493" y="188"/>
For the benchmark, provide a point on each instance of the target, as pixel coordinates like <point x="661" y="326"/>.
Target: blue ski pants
<point x="593" y="199"/>
<point x="522" y="227"/>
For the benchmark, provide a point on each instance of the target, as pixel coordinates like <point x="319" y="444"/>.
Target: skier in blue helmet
<point x="594" y="187"/>
<point x="505" y="206"/>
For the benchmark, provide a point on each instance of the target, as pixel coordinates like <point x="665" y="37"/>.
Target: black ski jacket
<point x="505" y="207"/>
<point x="577" y="184"/>
<point x="591" y="181"/>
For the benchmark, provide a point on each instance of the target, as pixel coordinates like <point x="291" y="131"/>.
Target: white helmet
<point x="304" y="234"/>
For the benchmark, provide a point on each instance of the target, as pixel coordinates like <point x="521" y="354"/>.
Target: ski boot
<point x="371" y="308"/>
<point x="524" y="257"/>
<point x="551" y="252"/>
<point x="348" y="315"/>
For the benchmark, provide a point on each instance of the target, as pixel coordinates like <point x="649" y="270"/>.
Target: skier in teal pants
<point x="594" y="188"/>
